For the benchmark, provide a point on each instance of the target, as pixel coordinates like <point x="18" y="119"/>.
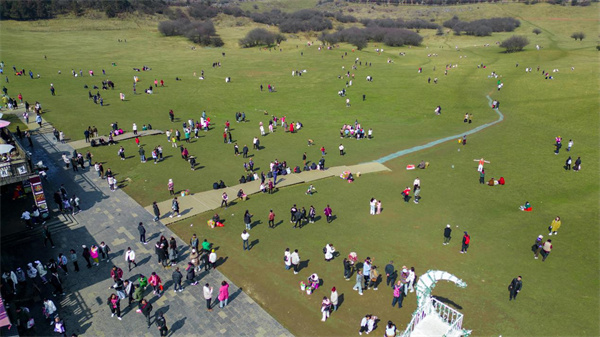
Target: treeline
<point x="399" y="23"/>
<point x="359" y="37"/>
<point x="200" y="32"/>
<point x="47" y="9"/>
<point x="261" y="36"/>
<point x="482" y="27"/>
<point x="455" y="2"/>
<point x="303" y="20"/>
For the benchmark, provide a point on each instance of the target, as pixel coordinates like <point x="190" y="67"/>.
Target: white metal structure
<point x="432" y="317"/>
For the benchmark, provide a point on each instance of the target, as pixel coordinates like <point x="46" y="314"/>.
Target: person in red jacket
<point x="406" y="194"/>
<point x="465" y="243"/>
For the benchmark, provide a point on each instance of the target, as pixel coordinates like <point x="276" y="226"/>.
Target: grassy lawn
<point x="562" y="291"/>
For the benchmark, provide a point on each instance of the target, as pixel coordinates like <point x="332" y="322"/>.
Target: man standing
<point x="416" y="183"/>
<point x="142" y="153"/>
<point x="208" y="291"/>
<point x="245" y="151"/>
<point x="245" y="236"/>
<point x="175" y="208"/>
<point x="328" y="212"/>
<point x="130" y="257"/>
<point x="295" y="259"/>
<point x="47" y="236"/>
<point x="194" y="242"/>
<point x="515" y="287"/>
<point x="359" y="281"/>
<point x="341" y="147"/>
<point x="271" y="219"/>
<point x="224" y="199"/>
<point x="447" y="233"/>
<point x="142" y="231"/>
<point x="177" y="277"/>
<point x="27" y="217"/>
<point x="465" y="243"/>
<point x="390" y="274"/>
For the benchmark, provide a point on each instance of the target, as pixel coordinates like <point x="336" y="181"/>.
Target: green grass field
<point x="560" y="296"/>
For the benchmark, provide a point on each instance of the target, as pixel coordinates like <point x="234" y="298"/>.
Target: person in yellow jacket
<point x="555" y="226"/>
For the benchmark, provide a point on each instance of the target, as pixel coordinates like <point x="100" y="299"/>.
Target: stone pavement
<point x="80" y="144"/>
<point x="113" y="217"/>
<point x="197" y="203"/>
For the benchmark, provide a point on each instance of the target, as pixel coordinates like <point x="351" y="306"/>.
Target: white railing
<point x="417" y="317"/>
<point x="450" y="316"/>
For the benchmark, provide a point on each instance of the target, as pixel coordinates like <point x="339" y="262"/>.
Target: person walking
<point x="245" y="236"/>
<point x="537" y="246"/>
<point x="465" y="243"/>
<point x="47" y="236"/>
<point x="177" y="277"/>
<point x="347" y="269"/>
<point x="171" y="187"/>
<point x="175" y="208"/>
<point x="390" y="274"/>
<point x="59" y="326"/>
<point x="208" y="293"/>
<point x="398" y="294"/>
<point x="271" y="219"/>
<point x="328" y="213"/>
<point x="142" y="231"/>
<point x="62" y="263"/>
<point x="554" y="226"/>
<point x="546" y="249"/>
<point x="515" y="287"/>
<point x="447" y="233"/>
<point x="156" y="211"/>
<point x="161" y="323"/>
<point x="287" y="259"/>
<point x="145" y="308"/>
<point x="94" y="252"/>
<point x="130" y="257"/>
<point x="359" y="282"/>
<point x="115" y="306"/>
<point x="295" y="259"/>
<point x="104" y="250"/>
<point x="57" y="284"/>
<point x="86" y="255"/>
<point x="223" y="294"/>
<point x="194" y="242"/>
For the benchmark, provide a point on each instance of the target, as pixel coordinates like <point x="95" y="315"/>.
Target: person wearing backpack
<point x="465" y="243"/>
<point x="398" y="294"/>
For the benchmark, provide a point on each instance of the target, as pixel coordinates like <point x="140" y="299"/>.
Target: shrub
<point x="201" y="32"/>
<point x="514" y="43"/>
<point x="537" y="31"/>
<point x="578" y="35"/>
<point x="482" y="27"/>
<point x="260" y="36"/>
<point x="202" y="12"/>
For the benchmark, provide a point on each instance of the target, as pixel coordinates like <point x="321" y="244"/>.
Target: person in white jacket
<point x="49" y="310"/>
<point x="208" y="292"/>
<point x="130" y="257"/>
<point x="41" y="271"/>
<point x="295" y="258"/>
<point x="287" y="259"/>
<point x="329" y="250"/>
<point x="411" y="279"/>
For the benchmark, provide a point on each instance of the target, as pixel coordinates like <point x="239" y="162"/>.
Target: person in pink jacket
<point x="94" y="251"/>
<point x="155" y="282"/>
<point x="223" y="294"/>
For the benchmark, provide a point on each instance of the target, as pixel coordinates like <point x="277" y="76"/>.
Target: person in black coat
<point x="191" y="274"/>
<point x="177" y="277"/>
<point x="161" y="323"/>
<point x="86" y="255"/>
<point x="145" y="308"/>
<point x="57" y="284"/>
<point x="142" y="231"/>
<point x="156" y="214"/>
<point x="447" y="232"/>
<point x="515" y="287"/>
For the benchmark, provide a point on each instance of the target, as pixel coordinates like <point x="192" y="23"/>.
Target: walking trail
<point x="197" y="203"/>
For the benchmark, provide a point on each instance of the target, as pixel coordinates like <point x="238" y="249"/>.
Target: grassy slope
<point x="399" y="109"/>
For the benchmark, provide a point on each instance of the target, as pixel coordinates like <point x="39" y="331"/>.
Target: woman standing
<point x="115" y="306"/>
<point x="156" y="211"/>
<point x="311" y="214"/>
<point x="94" y="251"/>
<point x="334" y="298"/>
<point x="173" y="251"/>
<point x="378" y="207"/>
<point x="155" y="282"/>
<point x="555" y="226"/>
<point x="191" y="274"/>
<point x="372" y="206"/>
<point x="208" y="291"/>
<point x="223" y="294"/>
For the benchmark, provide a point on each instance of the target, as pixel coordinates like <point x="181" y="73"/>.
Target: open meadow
<point x="559" y="296"/>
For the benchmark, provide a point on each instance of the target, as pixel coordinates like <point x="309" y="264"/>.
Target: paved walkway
<point x="80" y="144"/>
<point x="113" y="217"/>
<point x="443" y="140"/>
<point x="201" y="202"/>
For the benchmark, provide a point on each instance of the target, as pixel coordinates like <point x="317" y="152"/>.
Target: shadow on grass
<point x="253" y="243"/>
<point x="448" y="301"/>
<point x="221" y="261"/>
<point x="303" y="264"/>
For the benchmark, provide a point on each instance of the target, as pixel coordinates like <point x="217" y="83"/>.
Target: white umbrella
<point x="4" y="124"/>
<point x="6" y="148"/>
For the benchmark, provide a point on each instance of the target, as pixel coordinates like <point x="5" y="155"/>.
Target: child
<point x="310" y="190"/>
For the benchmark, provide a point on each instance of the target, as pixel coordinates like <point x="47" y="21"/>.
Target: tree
<point x="537" y="31"/>
<point x="514" y="43"/>
<point x="578" y="35"/>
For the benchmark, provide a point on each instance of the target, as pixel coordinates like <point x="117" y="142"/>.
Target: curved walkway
<point x="442" y="140"/>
